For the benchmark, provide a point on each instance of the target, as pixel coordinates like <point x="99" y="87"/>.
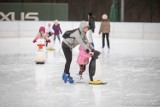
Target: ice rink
<point x="131" y="69"/>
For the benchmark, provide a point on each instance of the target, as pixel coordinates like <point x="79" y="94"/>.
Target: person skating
<point x="57" y="30"/>
<point x="82" y="60"/>
<point x="105" y="30"/>
<point x="41" y="35"/>
<point x="49" y="31"/>
<point x="41" y="39"/>
<point x="76" y="38"/>
<point x="91" y="22"/>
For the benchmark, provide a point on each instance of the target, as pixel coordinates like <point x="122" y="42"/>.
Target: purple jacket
<point x="57" y="29"/>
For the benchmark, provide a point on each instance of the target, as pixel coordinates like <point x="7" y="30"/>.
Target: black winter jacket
<point x="92" y="23"/>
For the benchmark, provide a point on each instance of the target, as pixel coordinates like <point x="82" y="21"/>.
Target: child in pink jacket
<point x="41" y="34"/>
<point x="82" y="60"/>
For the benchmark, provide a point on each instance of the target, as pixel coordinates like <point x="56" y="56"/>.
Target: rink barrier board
<point x="118" y="29"/>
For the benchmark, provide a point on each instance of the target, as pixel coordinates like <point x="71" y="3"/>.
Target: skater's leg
<point x="59" y="38"/>
<point x="82" y="69"/>
<point x="46" y="43"/>
<point x="54" y="38"/>
<point x="68" y="55"/>
<point x="79" y="76"/>
<point x="103" y="41"/>
<point x="107" y="37"/>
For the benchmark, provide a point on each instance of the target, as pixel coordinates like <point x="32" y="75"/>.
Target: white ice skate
<point x="79" y="78"/>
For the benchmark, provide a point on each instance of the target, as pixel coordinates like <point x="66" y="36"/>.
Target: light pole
<point x="122" y="11"/>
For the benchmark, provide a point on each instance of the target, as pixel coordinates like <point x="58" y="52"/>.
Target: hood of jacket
<point x="82" y="25"/>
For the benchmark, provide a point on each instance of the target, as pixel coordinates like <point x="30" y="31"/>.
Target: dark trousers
<point x="68" y="55"/>
<point x="57" y="37"/>
<point x="103" y="39"/>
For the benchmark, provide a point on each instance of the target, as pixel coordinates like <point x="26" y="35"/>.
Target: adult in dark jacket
<point x="76" y="38"/>
<point x="91" y="22"/>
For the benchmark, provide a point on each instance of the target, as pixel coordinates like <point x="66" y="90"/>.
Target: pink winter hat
<point x="42" y="29"/>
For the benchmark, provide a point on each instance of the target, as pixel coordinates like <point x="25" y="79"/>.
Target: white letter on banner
<point x="6" y="17"/>
<point x="32" y="16"/>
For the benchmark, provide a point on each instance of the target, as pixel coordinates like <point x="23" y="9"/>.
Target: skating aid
<point x="92" y="65"/>
<point x="50" y="46"/>
<point x="97" y="82"/>
<point x="92" y="69"/>
<point x="40" y="52"/>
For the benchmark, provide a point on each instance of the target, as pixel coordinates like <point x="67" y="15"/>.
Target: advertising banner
<point x="33" y="11"/>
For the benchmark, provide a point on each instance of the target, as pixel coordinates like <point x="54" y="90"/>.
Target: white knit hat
<point x="104" y="16"/>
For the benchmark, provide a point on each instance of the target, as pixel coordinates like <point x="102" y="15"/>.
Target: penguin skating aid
<point x="92" y="69"/>
<point x="40" y="52"/>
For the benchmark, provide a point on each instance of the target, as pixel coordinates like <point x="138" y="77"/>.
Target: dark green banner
<point x="33" y="11"/>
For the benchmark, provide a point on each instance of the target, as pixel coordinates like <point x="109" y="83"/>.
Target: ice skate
<point x="79" y="78"/>
<point x="64" y="75"/>
<point x="67" y="78"/>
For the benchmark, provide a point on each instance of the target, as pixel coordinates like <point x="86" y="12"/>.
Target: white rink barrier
<point x="118" y="29"/>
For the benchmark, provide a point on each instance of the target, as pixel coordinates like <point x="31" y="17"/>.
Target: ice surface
<point x="131" y="68"/>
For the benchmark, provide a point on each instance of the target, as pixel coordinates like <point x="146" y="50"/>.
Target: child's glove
<point x="34" y="41"/>
<point x="87" y="50"/>
<point x="49" y="41"/>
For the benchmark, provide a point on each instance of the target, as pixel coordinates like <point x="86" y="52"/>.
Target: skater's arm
<point x="86" y="39"/>
<point x="100" y="30"/>
<point x="36" y="37"/>
<point x="53" y="27"/>
<point x="109" y="25"/>
<point x="87" y="42"/>
<point x="60" y="29"/>
<point x="87" y="55"/>
<point x="46" y="38"/>
<point x="80" y="41"/>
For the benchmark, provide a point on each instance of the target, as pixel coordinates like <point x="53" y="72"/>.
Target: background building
<point x="133" y="10"/>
